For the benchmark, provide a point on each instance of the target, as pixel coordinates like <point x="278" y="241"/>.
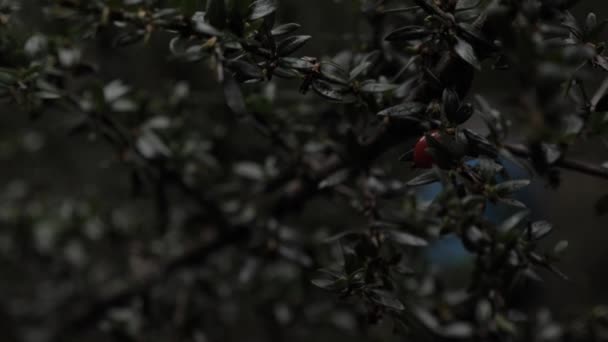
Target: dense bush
<point x="249" y="192"/>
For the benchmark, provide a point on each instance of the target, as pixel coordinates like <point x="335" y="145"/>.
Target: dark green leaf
<point x="552" y="153"/>
<point x="245" y="70"/>
<point x="47" y="95"/>
<point x="483" y="310"/>
<point x="359" y="69"/>
<point x="296" y="63"/>
<point x="531" y="274"/>
<point x="512" y="222"/>
<point x="591" y="21"/>
<point x="262" y="8"/>
<point x="330" y="284"/>
<point x="351" y="261"/>
<point x="7" y="77"/>
<point x="458" y="330"/>
<point x="291" y="44"/>
<point x="408" y="33"/>
<point x="405" y="238"/>
<point x="295" y="255"/>
<point x="460" y="116"/>
<point x="504" y="153"/>
<point x="333" y="72"/>
<point x="425" y="178"/>
<point x="285" y="73"/>
<point x="344" y="234"/>
<point x="474" y="237"/>
<point x="512" y="202"/>
<point x="539" y="229"/>
<point x="570" y="22"/>
<point x="450" y="102"/>
<point x="387" y="299"/>
<point x="404" y="110"/>
<point x="426" y="318"/>
<point x="284" y="29"/>
<point x="234" y="96"/>
<point x="472" y="35"/>
<point x="601" y="61"/>
<point x="480" y="145"/>
<point x="115" y="90"/>
<point x="560" y="247"/>
<point x="202" y="26"/>
<point x="370" y="87"/>
<point x="150" y="145"/>
<point x="334" y="92"/>
<point x="444" y="150"/>
<point x="467" y="53"/>
<point x="249" y="170"/>
<point x="334" y="179"/>
<point x="511" y="186"/>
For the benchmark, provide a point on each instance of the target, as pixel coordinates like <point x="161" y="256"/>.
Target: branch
<point x="567" y="164"/>
<point x="450" y="69"/>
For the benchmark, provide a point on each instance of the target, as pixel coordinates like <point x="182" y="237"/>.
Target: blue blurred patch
<point x="449" y="251"/>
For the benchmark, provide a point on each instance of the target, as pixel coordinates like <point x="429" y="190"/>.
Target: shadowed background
<point x="38" y="154"/>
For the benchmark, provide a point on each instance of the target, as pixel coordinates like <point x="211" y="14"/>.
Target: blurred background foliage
<point x="74" y="225"/>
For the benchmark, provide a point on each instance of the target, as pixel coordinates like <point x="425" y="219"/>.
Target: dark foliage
<point x="236" y="203"/>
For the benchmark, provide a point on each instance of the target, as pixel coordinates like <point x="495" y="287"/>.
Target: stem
<point x="567" y="164"/>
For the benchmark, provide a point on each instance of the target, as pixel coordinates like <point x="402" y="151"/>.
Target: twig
<point x="564" y="163"/>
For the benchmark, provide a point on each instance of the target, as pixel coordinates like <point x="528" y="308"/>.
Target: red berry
<point x="423" y="159"/>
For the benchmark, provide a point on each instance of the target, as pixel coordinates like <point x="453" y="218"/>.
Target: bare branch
<point x="564" y="163"/>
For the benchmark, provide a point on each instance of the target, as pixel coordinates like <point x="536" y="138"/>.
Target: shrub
<point x="218" y="178"/>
